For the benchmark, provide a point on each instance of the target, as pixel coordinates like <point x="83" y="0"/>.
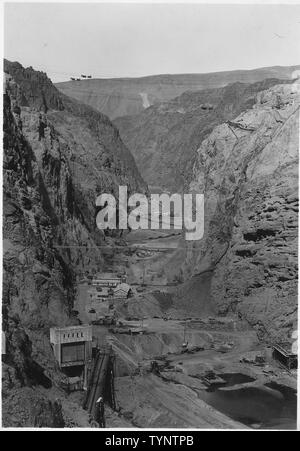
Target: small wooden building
<point x="122" y="291"/>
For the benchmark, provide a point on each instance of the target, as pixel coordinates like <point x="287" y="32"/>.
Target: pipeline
<point x="101" y="382"/>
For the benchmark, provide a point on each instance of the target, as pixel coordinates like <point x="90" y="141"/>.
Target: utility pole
<point x="144" y="274"/>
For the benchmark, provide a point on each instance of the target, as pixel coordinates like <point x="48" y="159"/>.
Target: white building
<point x="72" y="347"/>
<point x="110" y="280"/>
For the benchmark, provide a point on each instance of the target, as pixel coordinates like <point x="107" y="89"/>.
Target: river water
<point x="256" y="407"/>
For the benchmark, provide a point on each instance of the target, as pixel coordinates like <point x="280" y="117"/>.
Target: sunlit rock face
<point x="164" y="138"/>
<point x="59" y="156"/>
<point x="248" y="171"/>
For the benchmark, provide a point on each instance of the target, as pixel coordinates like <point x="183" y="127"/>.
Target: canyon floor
<point x="257" y="392"/>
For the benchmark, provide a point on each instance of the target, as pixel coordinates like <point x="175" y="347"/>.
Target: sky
<point x="132" y="40"/>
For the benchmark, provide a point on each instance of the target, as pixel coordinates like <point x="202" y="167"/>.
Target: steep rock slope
<point x="37" y="282"/>
<point x="165" y="137"/>
<point x="58" y="156"/>
<point x="128" y="96"/>
<point x="248" y="172"/>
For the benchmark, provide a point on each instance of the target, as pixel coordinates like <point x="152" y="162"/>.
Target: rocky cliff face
<point x="164" y="138"/>
<point x="248" y="171"/>
<point x="118" y="97"/>
<point x="58" y="157"/>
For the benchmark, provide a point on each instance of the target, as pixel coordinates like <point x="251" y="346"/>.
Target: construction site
<point x="142" y="359"/>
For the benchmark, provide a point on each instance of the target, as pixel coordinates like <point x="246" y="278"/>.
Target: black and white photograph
<point x="149" y="203"/>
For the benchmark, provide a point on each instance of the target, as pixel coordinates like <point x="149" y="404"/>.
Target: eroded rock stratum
<point x="248" y="171"/>
<point x="58" y="156"/>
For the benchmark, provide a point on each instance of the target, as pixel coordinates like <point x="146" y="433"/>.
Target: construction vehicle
<point x="107" y="320"/>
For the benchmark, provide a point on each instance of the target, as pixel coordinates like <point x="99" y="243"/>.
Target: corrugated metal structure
<point x="282" y="352"/>
<point x="72" y="354"/>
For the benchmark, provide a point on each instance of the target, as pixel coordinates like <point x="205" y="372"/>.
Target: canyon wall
<point x="58" y="157"/>
<point x="165" y="137"/>
<point x="247" y="169"/>
<point x="118" y="97"/>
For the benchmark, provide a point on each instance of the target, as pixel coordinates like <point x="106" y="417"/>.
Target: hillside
<point x="248" y="172"/>
<point x="58" y="156"/>
<point x="165" y="137"/>
<point x="118" y="97"/>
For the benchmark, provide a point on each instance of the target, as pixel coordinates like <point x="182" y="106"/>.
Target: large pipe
<point x="98" y="382"/>
<point x="92" y="382"/>
<point x="101" y="383"/>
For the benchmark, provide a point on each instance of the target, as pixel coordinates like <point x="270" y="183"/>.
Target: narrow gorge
<point x="192" y="341"/>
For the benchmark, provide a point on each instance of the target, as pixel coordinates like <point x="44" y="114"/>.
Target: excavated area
<point x="160" y="383"/>
<point x="176" y="394"/>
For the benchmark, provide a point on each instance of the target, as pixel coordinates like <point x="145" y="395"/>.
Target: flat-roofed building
<point x="107" y="279"/>
<point x="72" y="347"/>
